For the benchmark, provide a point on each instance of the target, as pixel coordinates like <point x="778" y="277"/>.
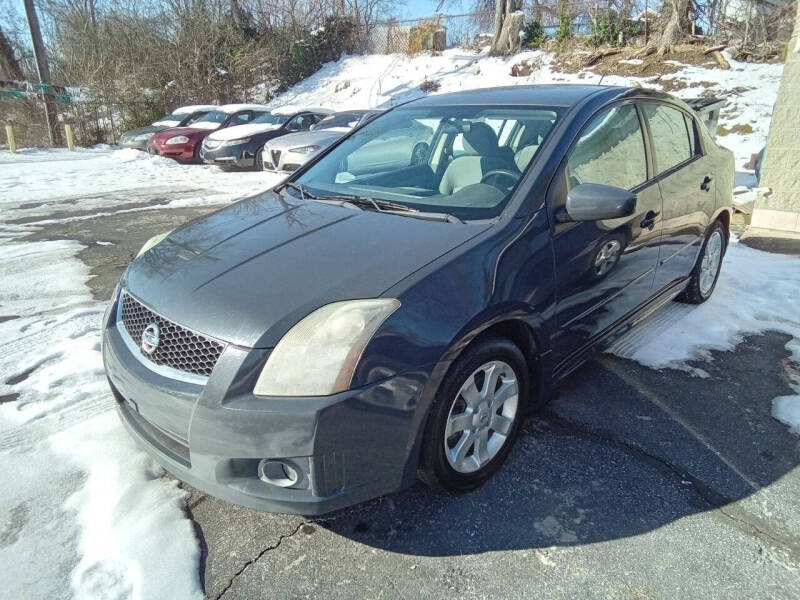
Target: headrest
<point x="480" y="139"/>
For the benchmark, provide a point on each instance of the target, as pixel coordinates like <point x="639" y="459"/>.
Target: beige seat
<point x="529" y="143"/>
<point x="482" y="154"/>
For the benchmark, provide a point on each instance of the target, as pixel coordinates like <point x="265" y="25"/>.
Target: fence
<point x="472" y="29"/>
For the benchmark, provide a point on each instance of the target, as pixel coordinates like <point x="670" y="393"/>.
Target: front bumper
<point x="181" y="152"/>
<point x="140" y="145"/>
<point x="285" y="161"/>
<point x="346" y="448"/>
<point x="228" y="156"/>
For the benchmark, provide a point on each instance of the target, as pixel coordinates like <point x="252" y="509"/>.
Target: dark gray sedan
<point x="180" y="117"/>
<point x="366" y="324"/>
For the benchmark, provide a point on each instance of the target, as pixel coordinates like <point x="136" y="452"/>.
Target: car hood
<point x="190" y="132"/>
<point x="323" y="138"/>
<point x="242" y="131"/>
<point x="248" y="272"/>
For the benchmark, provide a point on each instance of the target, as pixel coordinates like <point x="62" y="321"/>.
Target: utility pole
<point x="44" y="73"/>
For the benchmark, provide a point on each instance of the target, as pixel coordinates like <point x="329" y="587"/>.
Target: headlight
<point x="305" y="149"/>
<point x="178" y="139"/>
<point x="143" y="137"/>
<point x="156" y="239"/>
<point x="235" y="142"/>
<point x="318" y="355"/>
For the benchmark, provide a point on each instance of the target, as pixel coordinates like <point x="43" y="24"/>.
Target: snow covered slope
<point x="385" y="80"/>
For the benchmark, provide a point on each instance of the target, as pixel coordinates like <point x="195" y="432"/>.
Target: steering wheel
<point x="501" y="174"/>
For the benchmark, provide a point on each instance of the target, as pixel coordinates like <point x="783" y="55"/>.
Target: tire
<point x="258" y="163"/>
<point x="196" y="155"/>
<point x="702" y="281"/>
<point x="440" y="465"/>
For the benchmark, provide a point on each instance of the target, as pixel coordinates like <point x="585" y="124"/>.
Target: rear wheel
<point x="476" y="416"/>
<point x="704" y="276"/>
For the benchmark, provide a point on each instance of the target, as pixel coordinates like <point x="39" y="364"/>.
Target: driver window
<point x="610" y="151"/>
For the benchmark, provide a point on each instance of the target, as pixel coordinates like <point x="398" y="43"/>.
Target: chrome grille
<point x="178" y="348"/>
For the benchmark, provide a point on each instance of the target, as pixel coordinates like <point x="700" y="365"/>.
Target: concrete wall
<point x="779" y="208"/>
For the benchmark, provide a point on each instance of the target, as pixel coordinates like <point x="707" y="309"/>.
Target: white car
<point x="289" y="152"/>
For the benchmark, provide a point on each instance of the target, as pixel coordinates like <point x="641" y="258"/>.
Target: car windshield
<point x="342" y="119"/>
<point x="192" y="117"/>
<point x="460" y="160"/>
<point x="169" y="117"/>
<point x="212" y="119"/>
<point x="271" y="119"/>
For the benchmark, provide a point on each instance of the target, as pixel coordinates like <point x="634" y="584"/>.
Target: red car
<point x="183" y="143"/>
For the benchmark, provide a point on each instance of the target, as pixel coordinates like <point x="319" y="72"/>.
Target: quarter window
<point x="610" y="151"/>
<point x="671" y="143"/>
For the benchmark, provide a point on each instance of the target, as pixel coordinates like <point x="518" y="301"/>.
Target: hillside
<point x="380" y="80"/>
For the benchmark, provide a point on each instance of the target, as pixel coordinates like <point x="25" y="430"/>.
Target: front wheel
<point x="259" y="160"/>
<point x="703" y="278"/>
<point x="476" y="416"/>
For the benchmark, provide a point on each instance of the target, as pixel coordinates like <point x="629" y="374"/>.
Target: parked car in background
<point x="289" y="152"/>
<point x="183" y="143"/>
<point x="369" y="322"/>
<point x="241" y="147"/>
<point x="180" y="117"/>
<point x="398" y="148"/>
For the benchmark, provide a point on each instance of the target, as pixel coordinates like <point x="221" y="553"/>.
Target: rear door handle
<point x="704" y="186"/>
<point x="649" y="220"/>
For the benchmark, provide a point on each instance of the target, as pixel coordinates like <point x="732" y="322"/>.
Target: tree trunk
<point x="673" y="24"/>
<point x="508" y="21"/>
<point x="9" y="67"/>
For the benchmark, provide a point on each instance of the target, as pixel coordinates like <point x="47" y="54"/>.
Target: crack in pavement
<point x="258" y="557"/>
<point x="702" y="490"/>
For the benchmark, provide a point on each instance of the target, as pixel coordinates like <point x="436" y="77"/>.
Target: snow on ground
<point x="85" y="501"/>
<point x="92" y="507"/>
<point x="36" y="182"/>
<point x="386" y="80"/>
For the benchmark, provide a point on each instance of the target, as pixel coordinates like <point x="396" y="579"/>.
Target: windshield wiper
<point x="304" y="193"/>
<point x="393" y="208"/>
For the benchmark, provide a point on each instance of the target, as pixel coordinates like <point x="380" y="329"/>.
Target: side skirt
<point x="621" y="327"/>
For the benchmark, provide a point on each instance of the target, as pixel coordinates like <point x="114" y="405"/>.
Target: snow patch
<point x="135" y="540"/>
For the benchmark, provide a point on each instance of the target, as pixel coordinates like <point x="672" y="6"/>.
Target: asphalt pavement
<point x="633" y="483"/>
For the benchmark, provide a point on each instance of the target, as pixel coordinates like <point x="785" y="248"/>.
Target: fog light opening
<point x="277" y="472"/>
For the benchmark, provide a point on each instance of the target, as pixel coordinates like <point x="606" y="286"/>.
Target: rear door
<point x="686" y="180"/>
<point x="604" y="269"/>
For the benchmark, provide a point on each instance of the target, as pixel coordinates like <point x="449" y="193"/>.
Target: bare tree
<point x="508" y="21"/>
<point x="9" y="66"/>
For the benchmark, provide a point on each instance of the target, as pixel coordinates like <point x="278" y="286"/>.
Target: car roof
<point x="232" y="108"/>
<point x="541" y="95"/>
<point x="289" y="109"/>
<point x="185" y="110"/>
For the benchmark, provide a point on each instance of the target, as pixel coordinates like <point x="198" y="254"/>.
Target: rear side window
<point x="610" y="151"/>
<point x="671" y="143"/>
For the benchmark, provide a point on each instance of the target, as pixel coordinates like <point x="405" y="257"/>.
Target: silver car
<point x="289" y="152"/>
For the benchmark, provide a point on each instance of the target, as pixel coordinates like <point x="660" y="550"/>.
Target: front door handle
<point x="649" y="220"/>
<point x="704" y="186"/>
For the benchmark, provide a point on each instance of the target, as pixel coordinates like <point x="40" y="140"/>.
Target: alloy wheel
<point x="709" y="267"/>
<point x="481" y="417"/>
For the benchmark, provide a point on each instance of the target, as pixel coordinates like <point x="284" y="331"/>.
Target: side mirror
<point x="596" y="202"/>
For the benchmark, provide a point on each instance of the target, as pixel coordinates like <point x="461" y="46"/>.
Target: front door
<point x="604" y="269"/>
<point x="686" y="180"/>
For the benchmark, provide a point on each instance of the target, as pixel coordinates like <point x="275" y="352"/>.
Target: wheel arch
<point x="523" y="328"/>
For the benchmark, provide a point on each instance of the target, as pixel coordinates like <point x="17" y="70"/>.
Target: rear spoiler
<point x="708" y="110"/>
